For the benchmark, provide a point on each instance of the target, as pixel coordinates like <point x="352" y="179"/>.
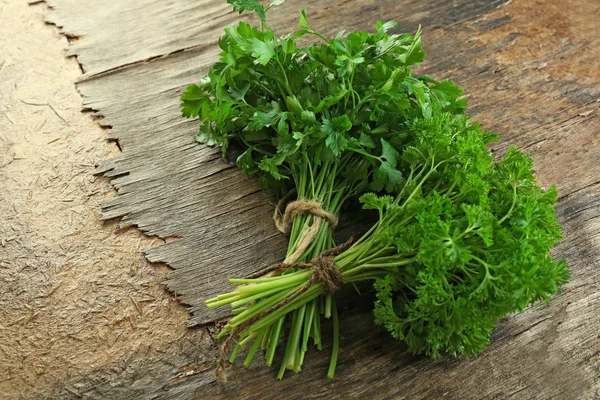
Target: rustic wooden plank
<point x="123" y="33"/>
<point x="548" y="352"/>
<point x="118" y="34"/>
<point x="531" y="72"/>
<point x="166" y="181"/>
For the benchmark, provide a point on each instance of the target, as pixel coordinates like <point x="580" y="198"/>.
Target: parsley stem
<point x="311" y="32"/>
<point x="308" y="325"/>
<point x="295" y="339"/>
<point x="514" y="202"/>
<point x="312" y="293"/>
<point x="234" y="353"/>
<point x="351" y="275"/>
<point x="316" y="333"/>
<point x="259" y="307"/>
<point x="336" y="342"/>
<point x="266" y="336"/>
<point x="284" y="73"/>
<point x="360" y="151"/>
<point x="416" y="190"/>
<point x="328" y="300"/>
<point x="285" y="281"/>
<point x="258" y="296"/>
<point x="274" y="341"/>
<point x="253" y="349"/>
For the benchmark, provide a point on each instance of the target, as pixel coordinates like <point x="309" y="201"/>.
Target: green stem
<point x="284" y="73"/>
<point x="336" y="342"/>
<point x="273" y="342"/>
<point x="512" y="205"/>
<point x="254" y="348"/>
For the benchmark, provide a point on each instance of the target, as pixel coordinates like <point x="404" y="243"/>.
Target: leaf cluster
<point x="343" y="101"/>
<point x="477" y="233"/>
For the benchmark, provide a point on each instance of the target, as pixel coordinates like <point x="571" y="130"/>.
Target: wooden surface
<point x="530" y="70"/>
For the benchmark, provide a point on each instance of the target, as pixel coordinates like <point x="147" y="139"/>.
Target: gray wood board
<point x="121" y="33"/>
<point x="170" y="187"/>
<point x="547" y="352"/>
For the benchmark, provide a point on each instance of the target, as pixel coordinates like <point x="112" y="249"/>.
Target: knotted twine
<point x="324" y="269"/>
<point x="284" y="223"/>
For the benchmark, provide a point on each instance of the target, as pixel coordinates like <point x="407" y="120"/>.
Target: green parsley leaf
<point x="249" y="5"/>
<point x="388" y="177"/>
<point x="269" y="165"/>
<point x="269" y="117"/>
<point x="389" y="153"/>
<point x="262" y="51"/>
<point x="366" y="141"/>
<point x="335" y="130"/>
<point x="303" y="23"/>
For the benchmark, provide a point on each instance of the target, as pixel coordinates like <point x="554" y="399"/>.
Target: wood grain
<point x="530" y="69"/>
<point x="118" y="34"/>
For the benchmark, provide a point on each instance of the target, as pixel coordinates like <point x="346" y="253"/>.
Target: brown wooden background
<point x="531" y="72"/>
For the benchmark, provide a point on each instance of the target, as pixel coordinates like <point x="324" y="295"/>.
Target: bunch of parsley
<point x="323" y="120"/>
<point x="460" y="241"/>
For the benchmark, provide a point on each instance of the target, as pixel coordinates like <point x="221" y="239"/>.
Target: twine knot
<point x="284" y="220"/>
<point x="326" y="272"/>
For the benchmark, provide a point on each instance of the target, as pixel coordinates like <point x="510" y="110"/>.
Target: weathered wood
<point x="530" y="70"/>
<point x="547" y="352"/>
<point x="166" y="181"/>
<point x="118" y="34"/>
